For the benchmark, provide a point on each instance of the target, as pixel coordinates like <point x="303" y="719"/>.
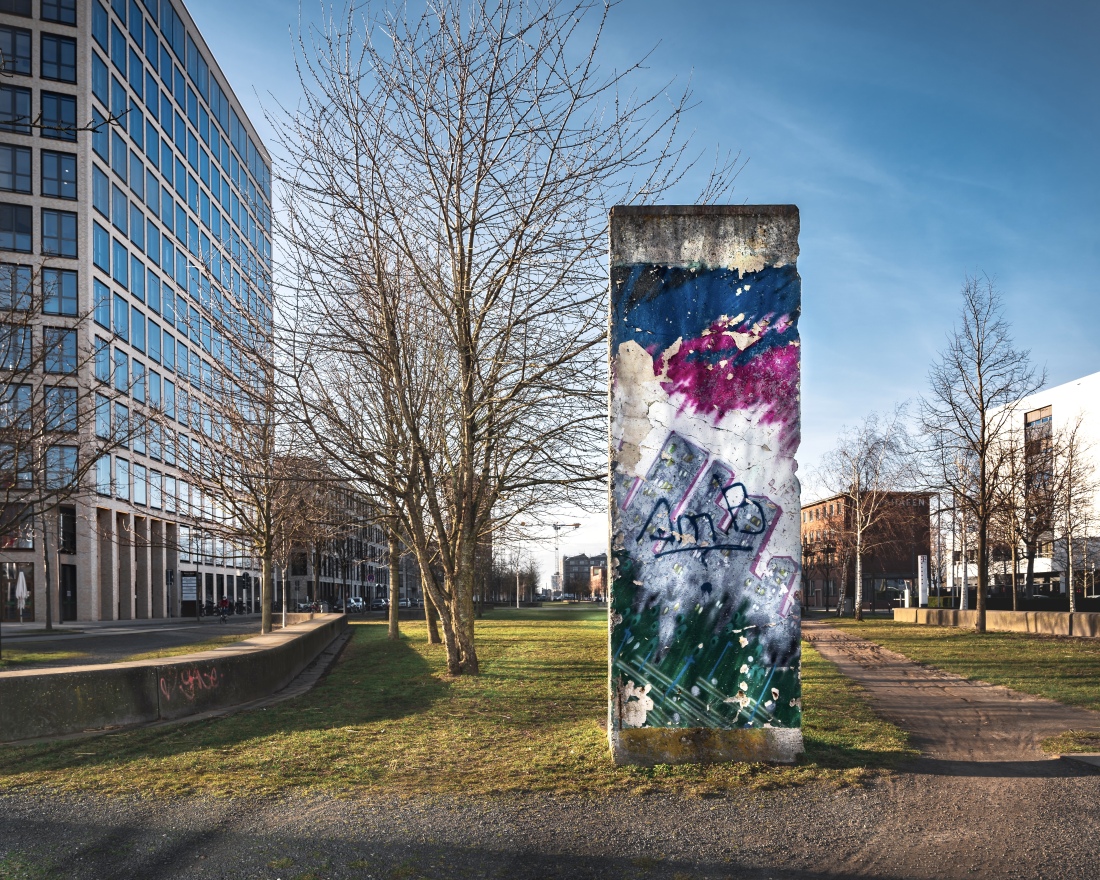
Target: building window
<point x="102" y="417"/>
<point x="58" y="116"/>
<point x="16" y="7"/>
<point x="59" y="233"/>
<point x="58" y="58"/>
<point x="140" y="496"/>
<point x="61" y="11"/>
<point x="15" y="169"/>
<point x="101" y="137"/>
<point x="15" y="287"/>
<point x="101" y="191"/>
<point x="15" y="45"/>
<point x="122" y="424"/>
<point x="101" y="248"/>
<point x="122" y="319"/>
<point x="15" y="407"/>
<point x="59" y="291"/>
<point x="120" y="209"/>
<point x="102" y="360"/>
<point x="66" y="530"/>
<point x="121" y="262"/>
<point x="60" y="349"/>
<point x="16" y="533"/>
<point x="122" y="371"/>
<point x="59" y="174"/>
<point x="60" y="466"/>
<point x="122" y="479"/>
<point x="15" y="109"/>
<point x="61" y="409"/>
<point x="16" y="228"/>
<point x="103" y="475"/>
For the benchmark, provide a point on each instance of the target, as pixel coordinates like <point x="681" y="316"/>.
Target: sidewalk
<point x="78" y="628"/>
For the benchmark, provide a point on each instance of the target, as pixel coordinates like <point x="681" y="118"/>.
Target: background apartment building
<point x="584" y="575"/>
<point x="132" y="182"/>
<point x="348" y="555"/>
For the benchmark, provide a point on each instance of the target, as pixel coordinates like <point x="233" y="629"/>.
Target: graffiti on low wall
<point x="705" y="622"/>
<point x="186" y="683"/>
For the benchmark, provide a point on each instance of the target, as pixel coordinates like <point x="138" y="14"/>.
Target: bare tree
<point x="868" y="465"/>
<point x="447" y="193"/>
<point x="973" y="390"/>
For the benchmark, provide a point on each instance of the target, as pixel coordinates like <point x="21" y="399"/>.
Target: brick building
<point x="891" y="551"/>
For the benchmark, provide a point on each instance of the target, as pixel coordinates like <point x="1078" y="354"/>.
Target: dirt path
<point x="950" y="718"/>
<point x="983" y="799"/>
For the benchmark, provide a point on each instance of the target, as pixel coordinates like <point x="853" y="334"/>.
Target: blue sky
<point x="921" y="141"/>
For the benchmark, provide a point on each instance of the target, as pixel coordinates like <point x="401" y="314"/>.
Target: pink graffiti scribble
<point x="188" y="682"/>
<point x="766" y="383"/>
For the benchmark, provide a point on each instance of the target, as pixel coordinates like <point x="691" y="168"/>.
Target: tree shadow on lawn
<point x="375" y="679"/>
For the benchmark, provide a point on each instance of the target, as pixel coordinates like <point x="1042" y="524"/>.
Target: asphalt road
<point x="111" y="643"/>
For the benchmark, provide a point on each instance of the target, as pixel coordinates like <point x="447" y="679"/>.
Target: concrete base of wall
<point x="1050" y="623"/>
<point x="62" y="701"/>
<point x="647" y="746"/>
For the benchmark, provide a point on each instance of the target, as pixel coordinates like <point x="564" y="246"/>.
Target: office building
<point x="134" y="183"/>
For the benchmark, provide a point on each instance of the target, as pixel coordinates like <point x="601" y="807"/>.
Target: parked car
<point x="403" y="603"/>
<point x="357" y="605"/>
<point x="379" y="605"/>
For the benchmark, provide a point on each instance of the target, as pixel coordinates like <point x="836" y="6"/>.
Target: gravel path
<point x="964" y="810"/>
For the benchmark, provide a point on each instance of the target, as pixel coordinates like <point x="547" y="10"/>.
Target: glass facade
<point x="156" y="224"/>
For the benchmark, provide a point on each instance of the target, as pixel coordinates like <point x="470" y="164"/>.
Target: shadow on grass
<point x="374" y="680"/>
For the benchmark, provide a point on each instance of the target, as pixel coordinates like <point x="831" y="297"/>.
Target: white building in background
<point x="1044" y="415"/>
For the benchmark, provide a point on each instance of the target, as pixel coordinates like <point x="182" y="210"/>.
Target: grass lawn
<point x="388" y="719"/>
<point x="192" y="648"/>
<point x="1059" y="668"/>
<point x="17" y="658"/>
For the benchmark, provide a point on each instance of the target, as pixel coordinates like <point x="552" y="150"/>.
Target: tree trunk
<point x="316" y="574"/>
<point x="395" y="573"/>
<point x="983" y="576"/>
<point x="267" y="592"/>
<point x="286" y="592"/>
<point x="859" y="577"/>
<point x="1029" y="578"/>
<point x="842" y="593"/>
<point x="431" y="617"/>
<point x="1069" y="572"/>
<point x="46" y="571"/>
<point x="464" y="617"/>
<point x="1015" y="586"/>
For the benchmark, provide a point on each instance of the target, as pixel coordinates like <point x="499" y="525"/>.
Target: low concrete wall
<point x="55" y="702"/>
<point x="1050" y="623"/>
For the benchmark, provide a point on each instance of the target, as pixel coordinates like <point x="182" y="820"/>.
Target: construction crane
<point x="558" y="529"/>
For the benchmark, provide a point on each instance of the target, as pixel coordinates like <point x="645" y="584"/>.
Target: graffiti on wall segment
<point x="705" y="536"/>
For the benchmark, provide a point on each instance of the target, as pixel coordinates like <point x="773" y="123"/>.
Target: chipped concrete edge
<point x="694" y="745"/>
<point x="742" y="237"/>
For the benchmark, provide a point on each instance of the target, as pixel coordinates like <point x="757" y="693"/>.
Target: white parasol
<point x="21" y="594"/>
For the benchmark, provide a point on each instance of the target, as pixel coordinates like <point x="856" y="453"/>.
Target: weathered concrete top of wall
<point x="54" y="702"/>
<point x="742" y="237"/>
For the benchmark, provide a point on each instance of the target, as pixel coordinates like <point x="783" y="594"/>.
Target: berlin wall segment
<point x="704" y="630"/>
